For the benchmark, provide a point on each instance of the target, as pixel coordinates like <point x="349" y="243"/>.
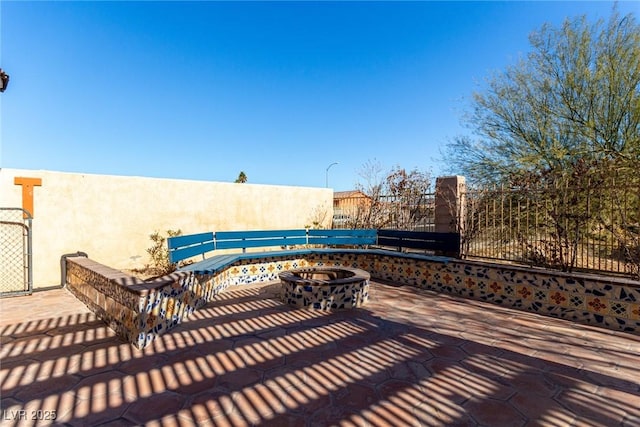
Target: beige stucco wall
<point x="111" y="217"/>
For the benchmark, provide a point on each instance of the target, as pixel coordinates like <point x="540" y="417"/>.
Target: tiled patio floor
<point x="408" y="358"/>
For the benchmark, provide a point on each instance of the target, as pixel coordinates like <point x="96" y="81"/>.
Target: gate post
<point x="449" y="204"/>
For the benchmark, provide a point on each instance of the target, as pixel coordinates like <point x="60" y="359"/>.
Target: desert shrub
<point x="159" y="253"/>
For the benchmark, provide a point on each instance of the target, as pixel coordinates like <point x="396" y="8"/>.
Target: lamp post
<point x="327" y="174"/>
<point x="4" y="80"/>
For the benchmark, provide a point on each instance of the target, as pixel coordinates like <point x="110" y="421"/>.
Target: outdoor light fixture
<point x="4" y="80"/>
<point x="327" y="174"/>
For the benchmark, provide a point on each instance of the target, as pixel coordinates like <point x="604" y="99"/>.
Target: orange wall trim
<point x="27" y="191"/>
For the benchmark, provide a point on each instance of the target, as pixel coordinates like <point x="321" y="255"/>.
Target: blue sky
<point x="204" y="90"/>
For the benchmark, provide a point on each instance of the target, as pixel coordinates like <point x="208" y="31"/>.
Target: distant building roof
<point x="348" y="194"/>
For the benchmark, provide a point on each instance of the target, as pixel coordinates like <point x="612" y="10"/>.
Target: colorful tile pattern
<point x="319" y="295"/>
<point x="140" y="311"/>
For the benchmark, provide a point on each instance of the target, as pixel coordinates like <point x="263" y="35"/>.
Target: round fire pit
<point x="325" y="288"/>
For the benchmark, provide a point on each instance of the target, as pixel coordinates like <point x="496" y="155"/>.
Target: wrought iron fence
<point x="592" y="227"/>
<point x="579" y="223"/>
<point x="385" y="212"/>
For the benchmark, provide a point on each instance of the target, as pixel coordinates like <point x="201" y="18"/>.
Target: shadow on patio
<point x="410" y="357"/>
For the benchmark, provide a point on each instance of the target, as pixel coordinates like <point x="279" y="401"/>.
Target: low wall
<point x="609" y="302"/>
<point x="140" y="311"/>
<point x="136" y="310"/>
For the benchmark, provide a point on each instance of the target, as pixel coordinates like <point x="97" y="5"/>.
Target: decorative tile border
<point x="140" y="311"/>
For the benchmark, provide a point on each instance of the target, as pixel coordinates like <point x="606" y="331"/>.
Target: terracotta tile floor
<point x="408" y="358"/>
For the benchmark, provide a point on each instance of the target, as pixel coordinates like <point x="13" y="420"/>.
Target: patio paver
<point x="409" y="357"/>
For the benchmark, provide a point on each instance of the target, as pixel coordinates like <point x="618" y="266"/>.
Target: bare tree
<point x="396" y="198"/>
<point x="370" y="215"/>
<point x="410" y="195"/>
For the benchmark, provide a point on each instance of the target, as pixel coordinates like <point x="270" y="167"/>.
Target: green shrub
<point x="159" y="253"/>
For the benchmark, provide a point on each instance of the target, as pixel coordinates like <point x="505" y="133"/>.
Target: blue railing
<point x="183" y="247"/>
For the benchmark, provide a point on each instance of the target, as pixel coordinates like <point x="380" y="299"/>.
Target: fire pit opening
<point x="325" y="288"/>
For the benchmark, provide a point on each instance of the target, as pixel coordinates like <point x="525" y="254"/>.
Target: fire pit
<point x="325" y="288"/>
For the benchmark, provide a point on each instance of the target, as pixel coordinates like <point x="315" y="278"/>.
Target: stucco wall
<point x="111" y="217"/>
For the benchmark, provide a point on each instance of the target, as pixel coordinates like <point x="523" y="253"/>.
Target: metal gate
<point x="15" y="252"/>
